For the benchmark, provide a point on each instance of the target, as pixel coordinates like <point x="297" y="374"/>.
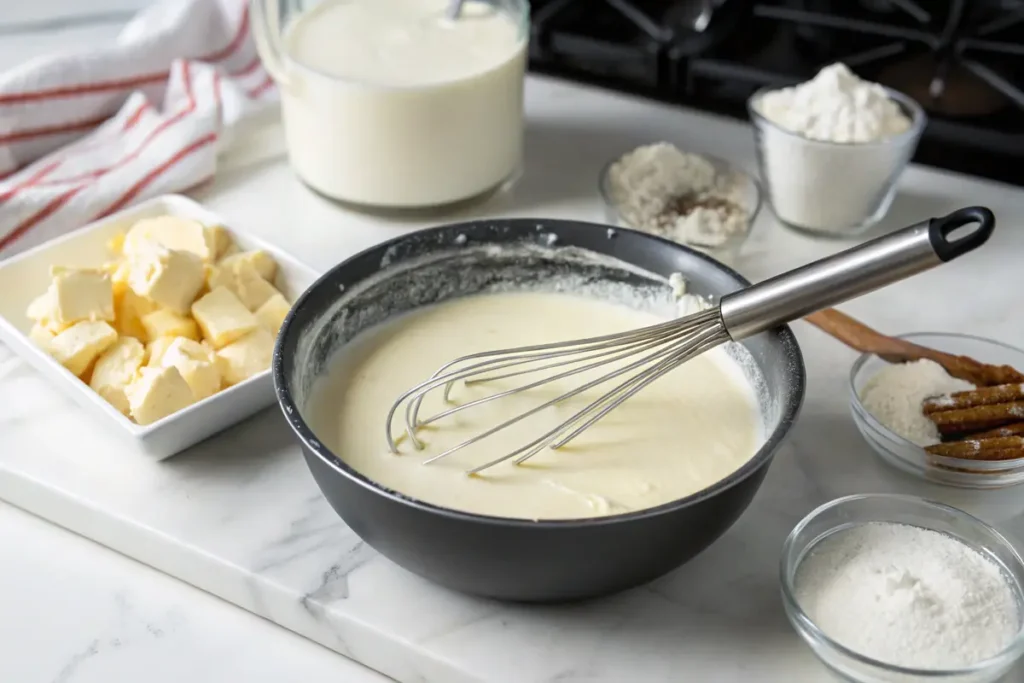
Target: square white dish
<point x="24" y="277"/>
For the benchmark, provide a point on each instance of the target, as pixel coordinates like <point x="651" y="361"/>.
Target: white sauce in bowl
<point x="686" y="431"/>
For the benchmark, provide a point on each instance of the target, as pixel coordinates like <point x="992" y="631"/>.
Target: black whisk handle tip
<point x="939" y="230"/>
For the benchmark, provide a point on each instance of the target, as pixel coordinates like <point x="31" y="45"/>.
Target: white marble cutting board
<point x="240" y="517"/>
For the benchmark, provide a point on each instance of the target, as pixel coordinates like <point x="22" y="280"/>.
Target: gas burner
<point x="962" y="59"/>
<point x="919" y="49"/>
<point x="943" y="87"/>
<point x="616" y="42"/>
<point x="606" y="40"/>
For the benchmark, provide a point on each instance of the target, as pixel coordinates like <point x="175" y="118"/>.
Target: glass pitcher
<point x="424" y="140"/>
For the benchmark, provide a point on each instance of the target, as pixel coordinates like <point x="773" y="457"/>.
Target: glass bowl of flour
<point x="885" y="401"/>
<point x="887" y="588"/>
<point x="691" y="198"/>
<point x="831" y="150"/>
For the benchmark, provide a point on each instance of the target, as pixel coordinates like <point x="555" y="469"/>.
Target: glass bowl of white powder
<point x="885" y="400"/>
<point x="691" y="198"/>
<point x="832" y="150"/>
<point x="897" y="588"/>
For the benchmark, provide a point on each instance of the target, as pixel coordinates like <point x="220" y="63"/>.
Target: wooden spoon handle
<point x="853" y="333"/>
<point x="860" y="337"/>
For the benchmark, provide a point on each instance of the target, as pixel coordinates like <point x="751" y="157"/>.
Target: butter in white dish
<point x="95" y="248"/>
<point x="161" y="266"/>
<point x="116" y="369"/>
<point x="156" y="393"/>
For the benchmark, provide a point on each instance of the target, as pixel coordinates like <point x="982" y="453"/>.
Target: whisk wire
<point x="666" y="345"/>
<point x="509" y="357"/>
<point x="661" y="369"/>
<point x="616" y="353"/>
<point x="536" y="409"/>
<point x="610" y="349"/>
<point x="526" y="354"/>
<point x="617" y="395"/>
<point x="505" y="358"/>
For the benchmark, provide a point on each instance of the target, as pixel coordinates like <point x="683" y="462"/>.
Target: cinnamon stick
<point x="1015" y="429"/>
<point x="959" y="400"/>
<point x="1001" y="448"/>
<point x="978" y="418"/>
<point x="859" y="336"/>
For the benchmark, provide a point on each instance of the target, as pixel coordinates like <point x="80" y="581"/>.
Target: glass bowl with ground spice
<point x="920" y="420"/>
<point x="691" y="198"/>
<point x="897" y="588"/>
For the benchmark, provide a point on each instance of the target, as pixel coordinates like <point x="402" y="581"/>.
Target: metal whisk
<point x="651" y="352"/>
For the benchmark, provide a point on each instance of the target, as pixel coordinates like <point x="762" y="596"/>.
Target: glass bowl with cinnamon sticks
<point x="946" y="407"/>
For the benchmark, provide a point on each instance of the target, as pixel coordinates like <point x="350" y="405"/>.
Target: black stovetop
<point x="962" y="59"/>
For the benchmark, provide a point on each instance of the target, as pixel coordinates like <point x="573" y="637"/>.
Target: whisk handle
<point x="854" y="272"/>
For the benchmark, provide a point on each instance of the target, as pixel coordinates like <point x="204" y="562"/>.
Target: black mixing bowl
<point x="523" y="560"/>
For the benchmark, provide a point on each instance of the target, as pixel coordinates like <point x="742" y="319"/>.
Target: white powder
<point x="894" y="397"/>
<point x="826" y="164"/>
<point x="835" y="106"/>
<point x="907" y="596"/>
<point x="686" y="304"/>
<point x="678" y="284"/>
<point x="681" y="196"/>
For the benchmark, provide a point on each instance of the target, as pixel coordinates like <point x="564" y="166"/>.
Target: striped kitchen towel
<point x="83" y="135"/>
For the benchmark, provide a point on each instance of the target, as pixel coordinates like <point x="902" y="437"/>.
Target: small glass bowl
<point x="844" y="513"/>
<point x="909" y="457"/>
<point x="727" y="251"/>
<point x="830" y="188"/>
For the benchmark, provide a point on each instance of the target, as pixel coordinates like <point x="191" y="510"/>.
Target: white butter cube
<point x="174" y="233"/>
<point x="243" y="280"/>
<point x="78" y="346"/>
<point x="82" y="294"/>
<point x="43" y="311"/>
<point x="119" y="269"/>
<point x="262" y="262"/>
<point x="196" y="366"/>
<point x="171" y="279"/>
<point x="246" y="357"/>
<point x="41" y="336"/>
<point x="271" y="314"/>
<point x="222" y="317"/>
<point x="221" y="240"/>
<point x="129" y="309"/>
<point x="232" y="249"/>
<point x="156" y="349"/>
<point x="40" y="309"/>
<point x="157" y="393"/>
<point x="119" y="273"/>
<point x="115" y="369"/>
<point x="164" y="322"/>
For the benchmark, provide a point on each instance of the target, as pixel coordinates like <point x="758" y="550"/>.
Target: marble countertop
<point x="74" y="612"/>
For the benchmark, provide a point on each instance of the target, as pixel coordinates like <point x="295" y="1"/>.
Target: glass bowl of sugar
<point x="890" y="588"/>
<point x="691" y="198"/>
<point x="886" y="403"/>
<point x="831" y="150"/>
